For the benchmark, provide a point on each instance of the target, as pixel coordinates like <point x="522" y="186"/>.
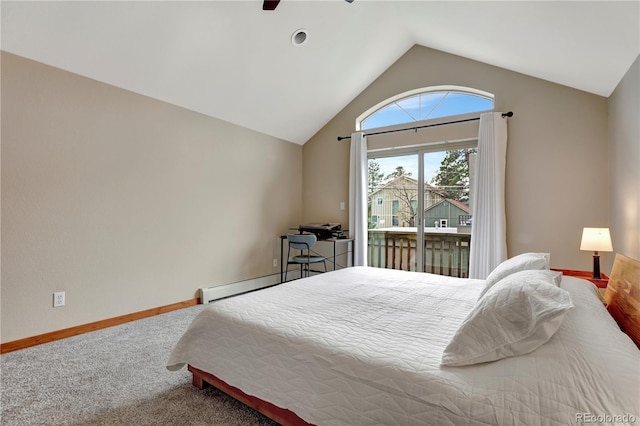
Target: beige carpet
<point x="115" y="376"/>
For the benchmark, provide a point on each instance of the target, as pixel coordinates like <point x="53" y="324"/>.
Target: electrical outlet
<point x="58" y="299"/>
<point x="275" y="263"/>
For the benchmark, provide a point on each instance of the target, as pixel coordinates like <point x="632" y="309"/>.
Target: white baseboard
<point x="209" y="294"/>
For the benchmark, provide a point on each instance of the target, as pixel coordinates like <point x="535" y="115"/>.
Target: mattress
<point x="362" y="346"/>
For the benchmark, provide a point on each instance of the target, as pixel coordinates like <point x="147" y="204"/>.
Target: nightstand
<point x="587" y="275"/>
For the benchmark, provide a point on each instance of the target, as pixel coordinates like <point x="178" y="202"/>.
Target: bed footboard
<point x="202" y="379"/>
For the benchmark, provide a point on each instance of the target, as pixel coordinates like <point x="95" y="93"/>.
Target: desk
<point x="334" y="241"/>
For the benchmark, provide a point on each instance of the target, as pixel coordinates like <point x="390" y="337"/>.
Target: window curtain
<point x="489" y="228"/>
<point x="358" y="198"/>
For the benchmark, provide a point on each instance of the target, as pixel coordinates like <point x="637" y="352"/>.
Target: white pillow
<point x="515" y="317"/>
<point x="521" y="262"/>
<point x="546" y="275"/>
<point x="555" y="276"/>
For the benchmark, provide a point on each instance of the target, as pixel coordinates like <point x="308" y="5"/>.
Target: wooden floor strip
<point x="93" y="326"/>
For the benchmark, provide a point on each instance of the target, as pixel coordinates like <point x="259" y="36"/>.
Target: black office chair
<point x="302" y="243"/>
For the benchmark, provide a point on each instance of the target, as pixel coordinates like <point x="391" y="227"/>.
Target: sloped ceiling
<point x="234" y="61"/>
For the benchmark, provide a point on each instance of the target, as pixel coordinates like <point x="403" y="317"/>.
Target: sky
<point x="423" y="106"/>
<point x="410" y="163"/>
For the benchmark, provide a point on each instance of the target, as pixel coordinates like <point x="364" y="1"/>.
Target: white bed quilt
<point x="362" y="346"/>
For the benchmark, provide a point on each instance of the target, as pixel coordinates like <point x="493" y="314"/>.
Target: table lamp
<point x="596" y="240"/>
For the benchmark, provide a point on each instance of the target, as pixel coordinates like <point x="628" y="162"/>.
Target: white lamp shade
<point x="596" y="239"/>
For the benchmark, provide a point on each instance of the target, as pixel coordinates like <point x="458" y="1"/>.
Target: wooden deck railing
<point x="444" y="253"/>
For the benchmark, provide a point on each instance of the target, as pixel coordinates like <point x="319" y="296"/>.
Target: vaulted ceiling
<point x="234" y="61"/>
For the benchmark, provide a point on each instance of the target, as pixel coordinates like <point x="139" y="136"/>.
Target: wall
<point x="127" y="203"/>
<point x="556" y="157"/>
<point x="624" y="161"/>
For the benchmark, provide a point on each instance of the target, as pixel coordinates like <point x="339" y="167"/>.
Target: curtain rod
<point x="505" y="114"/>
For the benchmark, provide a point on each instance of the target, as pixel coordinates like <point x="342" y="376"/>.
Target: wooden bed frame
<point x="623" y="303"/>
<point x="202" y="379"/>
<point x="622" y="296"/>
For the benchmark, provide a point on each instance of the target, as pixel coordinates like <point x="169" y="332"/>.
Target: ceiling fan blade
<point x="270" y="4"/>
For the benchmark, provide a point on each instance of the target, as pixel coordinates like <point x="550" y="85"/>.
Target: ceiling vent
<point x="299" y="37"/>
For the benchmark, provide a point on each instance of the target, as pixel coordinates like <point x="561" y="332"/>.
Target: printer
<point x="323" y="231"/>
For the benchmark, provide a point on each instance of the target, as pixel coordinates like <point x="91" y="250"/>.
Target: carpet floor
<point x="114" y="376"/>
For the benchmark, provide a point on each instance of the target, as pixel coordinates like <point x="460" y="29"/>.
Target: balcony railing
<point x="445" y="253"/>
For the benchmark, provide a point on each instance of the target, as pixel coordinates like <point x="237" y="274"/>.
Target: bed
<point x="364" y="346"/>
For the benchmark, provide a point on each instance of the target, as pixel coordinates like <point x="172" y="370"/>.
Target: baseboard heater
<point x="209" y="294"/>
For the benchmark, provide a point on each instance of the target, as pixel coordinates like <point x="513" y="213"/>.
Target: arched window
<point x="421" y="180"/>
<point x="425" y="104"/>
